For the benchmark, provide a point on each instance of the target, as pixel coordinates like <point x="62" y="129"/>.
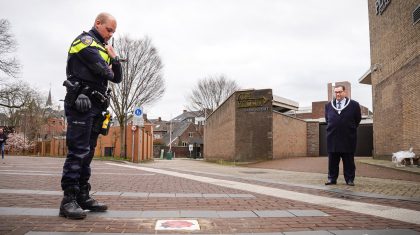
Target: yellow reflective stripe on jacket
<point x="77" y="46"/>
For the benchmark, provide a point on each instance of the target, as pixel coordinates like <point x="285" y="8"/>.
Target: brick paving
<point x="112" y="182"/>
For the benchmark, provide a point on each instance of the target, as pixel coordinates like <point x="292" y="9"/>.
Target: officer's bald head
<point x="106" y="25"/>
<point x="104" y="17"/>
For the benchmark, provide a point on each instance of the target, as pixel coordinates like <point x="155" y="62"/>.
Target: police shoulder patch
<point x="87" y="40"/>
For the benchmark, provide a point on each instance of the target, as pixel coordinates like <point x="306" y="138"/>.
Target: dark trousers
<point x="81" y="140"/>
<point x="348" y="163"/>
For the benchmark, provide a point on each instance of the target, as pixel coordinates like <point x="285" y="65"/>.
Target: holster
<point x="102" y="124"/>
<point x="73" y="90"/>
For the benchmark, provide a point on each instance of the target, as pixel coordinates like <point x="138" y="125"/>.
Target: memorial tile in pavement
<point x="273" y="213"/>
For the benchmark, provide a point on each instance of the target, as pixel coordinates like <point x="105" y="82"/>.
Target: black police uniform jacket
<point x="88" y="62"/>
<point x="342" y="127"/>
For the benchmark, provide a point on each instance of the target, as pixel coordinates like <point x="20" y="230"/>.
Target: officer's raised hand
<point x="82" y="103"/>
<point x="111" y="51"/>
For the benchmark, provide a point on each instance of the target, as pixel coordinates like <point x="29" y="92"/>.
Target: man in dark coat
<point x="343" y="116"/>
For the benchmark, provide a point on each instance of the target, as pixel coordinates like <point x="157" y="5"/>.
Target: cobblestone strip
<point x="387" y="200"/>
<point x="405" y="215"/>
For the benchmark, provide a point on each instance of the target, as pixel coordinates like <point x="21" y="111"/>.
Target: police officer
<point x="91" y="63"/>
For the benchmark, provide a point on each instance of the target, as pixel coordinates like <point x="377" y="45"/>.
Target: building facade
<point x="394" y="75"/>
<point x="250" y="126"/>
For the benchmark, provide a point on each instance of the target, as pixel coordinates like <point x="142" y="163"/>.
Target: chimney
<point x="159" y="119"/>
<point x="145" y="116"/>
<point x="185" y="111"/>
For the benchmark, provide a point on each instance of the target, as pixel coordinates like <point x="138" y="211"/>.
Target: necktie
<point x="339" y="105"/>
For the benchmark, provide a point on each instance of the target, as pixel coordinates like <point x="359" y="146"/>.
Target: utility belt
<point x="101" y="124"/>
<point x="74" y="89"/>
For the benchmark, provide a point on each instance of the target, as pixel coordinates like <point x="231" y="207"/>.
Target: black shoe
<point x="93" y="205"/>
<point x="330" y="182"/>
<point x="72" y="210"/>
<point x="350" y="183"/>
<point x="86" y="202"/>
<point x="69" y="207"/>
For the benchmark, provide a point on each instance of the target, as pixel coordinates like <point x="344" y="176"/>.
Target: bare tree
<point x="14" y="94"/>
<point x="142" y="82"/>
<point x="23" y="106"/>
<point x="210" y="92"/>
<point x="8" y="64"/>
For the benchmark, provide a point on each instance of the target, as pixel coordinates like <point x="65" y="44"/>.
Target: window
<point x="190" y="134"/>
<point x="416" y="15"/>
<point x="109" y="151"/>
<point x="184" y="144"/>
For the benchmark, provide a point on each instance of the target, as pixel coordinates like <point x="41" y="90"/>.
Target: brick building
<point x="179" y="133"/>
<point x="394" y="75"/>
<point x="250" y="125"/>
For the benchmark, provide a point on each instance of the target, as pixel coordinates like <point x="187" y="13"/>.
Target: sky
<point x="294" y="47"/>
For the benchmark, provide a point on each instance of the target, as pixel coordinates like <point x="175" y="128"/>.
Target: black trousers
<point x="81" y="140"/>
<point x="348" y="163"/>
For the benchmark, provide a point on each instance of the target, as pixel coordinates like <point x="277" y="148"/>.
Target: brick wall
<point x="395" y="46"/>
<point x="318" y="109"/>
<point x="254" y="126"/>
<point x="312" y="130"/>
<point x="219" y="133"/>
<point x="289" y="136"/>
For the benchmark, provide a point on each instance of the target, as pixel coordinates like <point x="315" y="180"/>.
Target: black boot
<point x="69" y="207"/>
<point x="87" y="202"/>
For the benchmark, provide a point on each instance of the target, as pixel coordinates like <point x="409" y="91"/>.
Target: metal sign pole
<point x="132" y="144"/>
<point x="140" y="142"/>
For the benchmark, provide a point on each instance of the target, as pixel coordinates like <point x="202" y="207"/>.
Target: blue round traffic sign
<point x="138" y="112"/>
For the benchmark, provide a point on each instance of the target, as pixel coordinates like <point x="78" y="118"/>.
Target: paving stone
<point x="43" y="212"/>
<point x="236" y="214"/>
<point x="241" y="195"/>
<point x="131" y="194"/>
<point x="160" y="214"/>
<point x="117" y="214"/>
<point x="162" y="195"/>
<point x="308" y="213"/>
<point x="50" y="193"/>
<point x="274" y="213"/>
<point x="321" y="232"/>
<point x="188" y="195"/>
<point x="376" y="232"/>
<point x="12" y="211"/>
<point x="107" y="193"/>
<point x="19" y="191"/>
<point x="199" y="214"/>
<point x="215" y="195"/>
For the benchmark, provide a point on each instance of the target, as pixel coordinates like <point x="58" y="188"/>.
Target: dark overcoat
<point x="342" y="128"/>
